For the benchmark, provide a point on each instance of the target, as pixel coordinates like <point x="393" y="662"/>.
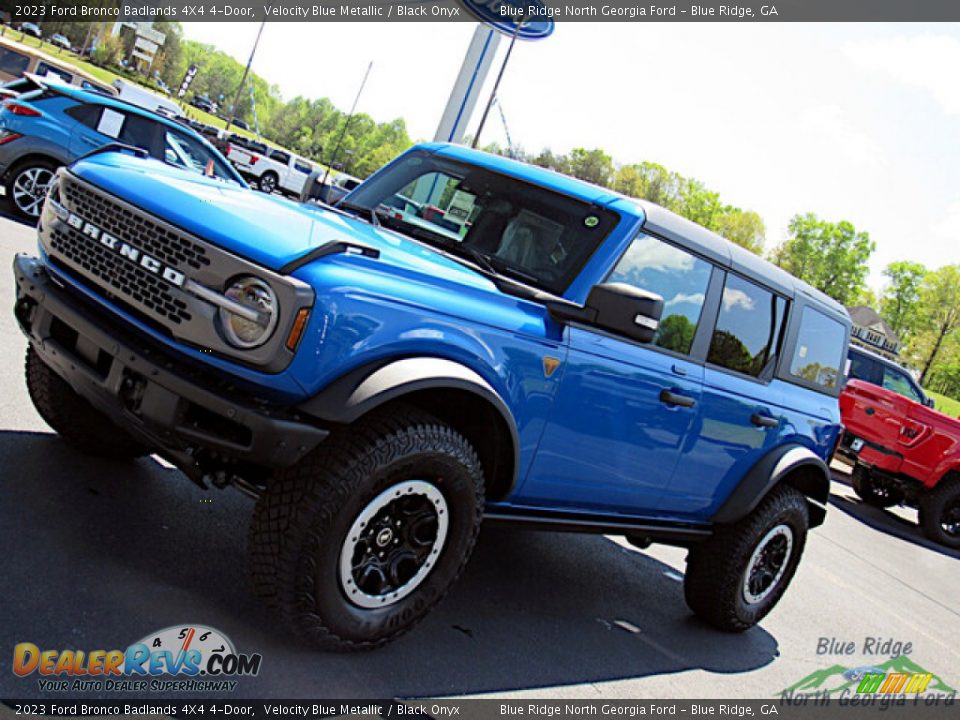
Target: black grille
<point x="119" y="274"/>
<point x="158" y="242"/>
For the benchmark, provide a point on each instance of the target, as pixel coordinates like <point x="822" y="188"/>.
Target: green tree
<point x="676" y="333"/>
<point x="830" y="256"/>
<point x="744" y="227"/>
<point x="593" y="166"/>
<point x="939" y="317"/>
<point x="900" y="300"/>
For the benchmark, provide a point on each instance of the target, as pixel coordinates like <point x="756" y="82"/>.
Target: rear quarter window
<point x="819" y="350"/>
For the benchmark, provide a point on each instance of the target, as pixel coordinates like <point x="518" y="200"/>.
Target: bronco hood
<point x="266" y="229"/>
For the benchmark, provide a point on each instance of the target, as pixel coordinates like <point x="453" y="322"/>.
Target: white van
<point x="141" y="97"/>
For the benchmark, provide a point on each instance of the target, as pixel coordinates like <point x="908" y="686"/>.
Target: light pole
<point x="246" y="72"/>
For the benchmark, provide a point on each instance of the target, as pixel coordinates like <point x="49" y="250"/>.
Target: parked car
<point x="52" y="125"/>
<point x="140" y="96"/>
<point x="337" y="187"/>
<point x="29" y="28"/>
<point x="274" y="170"/>
<point x="240" y="123"/>
<point x="59" y="40"/>
<point x="902" y="450"/>
<point x="578" y="360"/>
<point x="202" y="102"/>
<point x="17" y="60"/>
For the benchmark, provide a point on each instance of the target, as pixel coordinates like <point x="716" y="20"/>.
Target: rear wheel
<point x="27" y="187"/>
<point x="73" y="418"/>
<point x="267" y="182"/>
<point x="737" y="576"/>
<point x="355" y="543"/>
<point x="940" y="512"/>
<point x="874" y="491"/>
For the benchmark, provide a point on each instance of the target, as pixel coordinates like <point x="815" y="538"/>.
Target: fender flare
<point x="769" y="471"/>
<point x="368" y="387"/>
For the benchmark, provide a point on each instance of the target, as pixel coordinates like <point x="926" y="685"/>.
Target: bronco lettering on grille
<point x="125" y="250"/>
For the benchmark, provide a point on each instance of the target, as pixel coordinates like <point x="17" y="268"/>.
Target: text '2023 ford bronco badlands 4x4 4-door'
<point x="536" y="350"/>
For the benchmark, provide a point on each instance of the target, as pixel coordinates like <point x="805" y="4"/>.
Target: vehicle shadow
<point x="885" y="521"/>
<point x="7" y="213"/>
<point x="99" y="554"/>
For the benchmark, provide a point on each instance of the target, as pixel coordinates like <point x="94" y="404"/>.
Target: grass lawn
<point x="945" y="405"/>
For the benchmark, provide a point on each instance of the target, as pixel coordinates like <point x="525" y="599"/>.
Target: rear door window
<point x="12" y="62"/>
<point x="746" y="338"/>
<point x="863" y="367"/>
<point x="680" y="278"/>
<point x="45" y="69"/>
<point x="281" y="157"/>
<point x="819" y="350"/>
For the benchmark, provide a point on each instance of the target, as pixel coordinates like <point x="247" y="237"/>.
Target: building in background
<point x="872" y="332"/>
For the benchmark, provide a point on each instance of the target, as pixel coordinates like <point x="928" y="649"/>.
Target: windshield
<point x="189" y="153"/>
<point x="518" y="230"/>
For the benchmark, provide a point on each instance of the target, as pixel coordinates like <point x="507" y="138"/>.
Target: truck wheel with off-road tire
<point x="873" y="490"/>
<point x="74" y="419"/>
<point x="939" y="512"/>
<point x="357" y="541"/>
<point x="737" y="576"/>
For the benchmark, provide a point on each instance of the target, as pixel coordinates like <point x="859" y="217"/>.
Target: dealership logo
<point x="123" y="249"/>
<point x="897" y="678"/>
<point x="528" y="19"/>
<point x="179" y="650"/>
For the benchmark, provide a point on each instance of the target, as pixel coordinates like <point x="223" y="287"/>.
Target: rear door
<point x="623" y="409"/>
<point x="741" y="414"/>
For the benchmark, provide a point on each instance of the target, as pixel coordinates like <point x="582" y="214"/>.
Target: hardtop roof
<point x="658" y="220"/>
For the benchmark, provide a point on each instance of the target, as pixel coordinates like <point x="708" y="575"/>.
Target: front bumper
<point x="191" y="417"/>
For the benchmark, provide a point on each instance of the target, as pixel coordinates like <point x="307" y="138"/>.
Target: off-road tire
<point x="871" y="492"/>
<point x="268" y="182"/>
<point x="717" y="568"/>
<point x="301" y="522"/>
<point x="73" y="418"/>
<point x="932" y="506"/>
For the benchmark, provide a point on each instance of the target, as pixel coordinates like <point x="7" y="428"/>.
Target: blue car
<point x="45" y="124"/>
<point x="535" y="350"/>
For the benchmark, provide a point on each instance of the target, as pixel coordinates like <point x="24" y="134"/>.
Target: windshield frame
<point x="372" y="195"/>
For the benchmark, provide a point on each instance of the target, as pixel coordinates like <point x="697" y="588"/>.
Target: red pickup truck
<point x="903" y="452"/>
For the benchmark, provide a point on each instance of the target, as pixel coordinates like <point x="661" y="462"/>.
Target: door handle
<point x="764" y="420"/>
<point x="671" y="398"/>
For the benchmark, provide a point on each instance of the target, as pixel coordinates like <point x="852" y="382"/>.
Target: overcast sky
<point x="852" y="121"/>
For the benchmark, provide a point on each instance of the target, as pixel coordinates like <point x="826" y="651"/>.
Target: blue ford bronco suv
<point x="464" y="338"/>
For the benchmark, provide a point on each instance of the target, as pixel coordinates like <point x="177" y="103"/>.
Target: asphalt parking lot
<point x="98" y="554"/>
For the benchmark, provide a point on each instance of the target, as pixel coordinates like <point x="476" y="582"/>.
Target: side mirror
<point x="625" y="310"/>
<point x="929" y="402"/>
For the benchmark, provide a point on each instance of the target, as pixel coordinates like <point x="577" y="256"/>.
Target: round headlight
<point x="253" y="328"/>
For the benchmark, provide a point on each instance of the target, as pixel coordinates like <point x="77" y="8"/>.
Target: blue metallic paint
<point x="593" y="436"/>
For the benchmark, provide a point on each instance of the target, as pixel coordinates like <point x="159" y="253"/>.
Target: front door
<point x="623" y="410"/>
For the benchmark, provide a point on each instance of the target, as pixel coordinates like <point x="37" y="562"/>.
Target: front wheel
<point x="27" y="187"/>
<point x="939" y="512"/>
<point x="737" y="576"/>
<point x="355" y="543"/>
